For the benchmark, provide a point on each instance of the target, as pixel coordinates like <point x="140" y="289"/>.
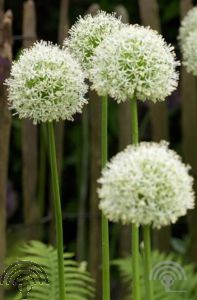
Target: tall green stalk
<point x="58" y="211"/>
<point x="42" y="170"/>
<point x="104" y="221"/>
<point x="147" y="262"/>
<point x="135" y="229"/>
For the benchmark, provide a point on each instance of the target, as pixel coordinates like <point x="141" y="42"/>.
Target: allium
<point x="88" y="32"/>
<point x="146" y="184"/>
<point x="134" y="62"/>
<point x="189" y="49"/>
<point x="188" y="24"/>
<point x="46" y="84"/>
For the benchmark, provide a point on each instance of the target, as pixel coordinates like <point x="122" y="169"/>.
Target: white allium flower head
<point x="147" y="184"/>
<point x="134" y="62"/>
<point x="88" y="32"/>
<point x="189" y="50"/>
<point x="46" y="84"/>
<point x="188" y="24"/>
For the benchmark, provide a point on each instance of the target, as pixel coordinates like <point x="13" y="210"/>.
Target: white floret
<point x="134" y="62"/>
<point x="46" y="84"/>
<point x="189" y="49"/>
<point x="188" y="25"/>
<point x="88" y="32"/>
<point x="146" y="184"/>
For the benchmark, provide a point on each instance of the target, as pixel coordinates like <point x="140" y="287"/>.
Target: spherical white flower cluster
<point x="189" y="49"/>
<point x="188" y="43"/>
<point x="188" y="25"/>
<point x="134" y="62"/>
<point x="88" y="32"/>
<point x="46" y="84"/>
<point x="146" y="184"/>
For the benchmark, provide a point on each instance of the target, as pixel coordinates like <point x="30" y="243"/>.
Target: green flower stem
<point x="42" y="170"/>
<point x="58" y="212"/>
<point x="147" y="261"/>
<point x="104" y="221"/>
<point x="135" y="229"/>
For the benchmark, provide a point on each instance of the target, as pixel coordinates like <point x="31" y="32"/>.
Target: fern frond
<point x="78" y="283"/>
<point x="181" y="289"/>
